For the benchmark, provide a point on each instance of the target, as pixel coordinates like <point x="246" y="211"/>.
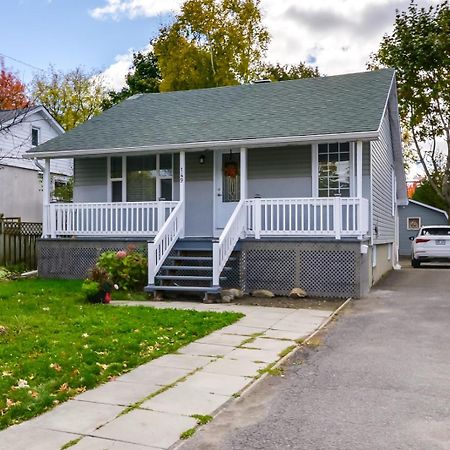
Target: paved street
<point x="380" y="380"/>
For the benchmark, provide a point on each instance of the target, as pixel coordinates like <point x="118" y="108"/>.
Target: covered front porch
<point x="224" y="196"/>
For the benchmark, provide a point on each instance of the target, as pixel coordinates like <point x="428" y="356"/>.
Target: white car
<point x="432" y="243"/>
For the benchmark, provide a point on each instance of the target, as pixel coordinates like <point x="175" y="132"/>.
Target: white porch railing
<point x="336" y="217"/>
<point x="230" y="235"/>
<point x="106" y="219"/>
<point x="159" y="249"/>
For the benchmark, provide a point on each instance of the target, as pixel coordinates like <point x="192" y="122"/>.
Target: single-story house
<point x="258" y="186"/>
<point x="413" y="216"/>
<point x="21" y="179"/>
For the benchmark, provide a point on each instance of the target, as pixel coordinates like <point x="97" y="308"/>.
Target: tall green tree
<point x="419" y="50"/>
<point x="212" y="43"/>
<point x="426" y="194"/>
<point x="71" y="97"/>
<point x="144" y="76"/>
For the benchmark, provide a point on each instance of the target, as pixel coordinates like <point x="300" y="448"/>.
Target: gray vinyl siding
<point x="280" y="172"/>
<point x="428" y="217"/>
<point x="383" y="221"/>
<point x="90" y="180"/>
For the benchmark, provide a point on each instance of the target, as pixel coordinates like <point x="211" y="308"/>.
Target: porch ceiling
<point x="344" y="106"/>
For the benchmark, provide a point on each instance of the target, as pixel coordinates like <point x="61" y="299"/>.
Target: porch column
<point x="359" y="147"/>
<point x="47" y="223"/>
<point x="243" y="176"/>
<point x="183" y="190"/>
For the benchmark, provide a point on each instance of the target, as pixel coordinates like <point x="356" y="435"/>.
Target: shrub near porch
<point x="53" y="345"/>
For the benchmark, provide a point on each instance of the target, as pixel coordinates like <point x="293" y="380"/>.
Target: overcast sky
<point x="336" y="35"/>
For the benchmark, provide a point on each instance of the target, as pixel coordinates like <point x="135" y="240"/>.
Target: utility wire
<point x="22" y="62"/>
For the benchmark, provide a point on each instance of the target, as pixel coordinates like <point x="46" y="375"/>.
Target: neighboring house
<point x="413" y="216"/>
<point x="298" y="181"/>
<point x="21" y="179"/>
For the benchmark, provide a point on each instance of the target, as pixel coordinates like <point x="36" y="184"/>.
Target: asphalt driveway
<point x="379" y="380"/>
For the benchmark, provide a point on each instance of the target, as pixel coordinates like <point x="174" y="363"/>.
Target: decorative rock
<point x="228" y="295"/>
<point x="263" y="293"/>
<point x="298" y="293"/>
<point x="236" y="293"/>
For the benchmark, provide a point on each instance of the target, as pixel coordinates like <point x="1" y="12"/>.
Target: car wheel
<point x="415" y="263"/>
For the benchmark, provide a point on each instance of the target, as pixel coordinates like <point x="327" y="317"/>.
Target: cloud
<point x="114" y="76"/>
<point x="336" y="35"/>
<point x="132" y="9"/>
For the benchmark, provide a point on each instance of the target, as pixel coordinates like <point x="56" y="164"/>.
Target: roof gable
<point x="352" y="103"/>
<point x="16" y="116"/>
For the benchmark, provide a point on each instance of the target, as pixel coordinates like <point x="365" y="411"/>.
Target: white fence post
<point x="161" y="215"/>
<point x="216" y="263"/>
<point x="337" y="216"/>
<point x="151" y="249"/>
<point x="52" y="211"/>
<point x="257" y="217"/>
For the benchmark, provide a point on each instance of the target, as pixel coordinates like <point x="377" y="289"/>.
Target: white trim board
<point x="209" y="145"/>
<point x="429" y="207"/>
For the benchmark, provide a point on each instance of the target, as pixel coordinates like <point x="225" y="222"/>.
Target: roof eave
<point x="209" y="145"/>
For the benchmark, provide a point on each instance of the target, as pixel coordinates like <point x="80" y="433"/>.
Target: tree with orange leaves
<point x="12" y="90"/>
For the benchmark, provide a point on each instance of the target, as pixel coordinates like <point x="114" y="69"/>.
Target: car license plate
<point x="440" y="242"/>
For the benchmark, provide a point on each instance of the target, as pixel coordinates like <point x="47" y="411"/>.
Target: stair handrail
<point x="160" y="247"/>
<point x="230" y="235"/>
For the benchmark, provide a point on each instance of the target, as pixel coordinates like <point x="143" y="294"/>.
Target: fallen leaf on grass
<point x="64" y="387"/>
<point x="102" y="366"/>
<point x="33" y="394"/>
<point x="10" y="403"/>
<point x="56" y="366"/>
<point x="21" y="384"/>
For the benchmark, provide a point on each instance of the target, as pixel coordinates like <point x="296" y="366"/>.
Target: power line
<point x="22" y="62"/>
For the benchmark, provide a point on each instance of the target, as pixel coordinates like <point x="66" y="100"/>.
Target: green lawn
<point x="54" y="345"/>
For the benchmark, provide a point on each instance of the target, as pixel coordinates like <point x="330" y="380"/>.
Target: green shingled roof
<point x="329" y="105"/>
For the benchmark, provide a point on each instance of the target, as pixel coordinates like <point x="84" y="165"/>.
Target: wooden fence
<point x="18" y="242"/>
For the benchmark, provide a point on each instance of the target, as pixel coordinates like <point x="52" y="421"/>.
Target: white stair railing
<point x="230" y="235"/>
<point x="159" y="249"/>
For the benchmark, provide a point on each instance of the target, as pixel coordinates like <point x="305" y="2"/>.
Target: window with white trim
<point x="334" y="167"/>
<point x="116" y="178"/>
<point x="141" y="178"/>
<point x="413" y="223"/>
<point x="35" y="136"/>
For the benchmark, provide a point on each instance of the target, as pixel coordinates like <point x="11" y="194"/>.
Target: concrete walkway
<point x="152" y="405"/>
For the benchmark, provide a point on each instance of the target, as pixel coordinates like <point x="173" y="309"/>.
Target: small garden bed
<point x="54" y="345"/>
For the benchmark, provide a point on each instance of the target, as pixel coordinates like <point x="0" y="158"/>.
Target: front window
<point x="116" y="178"/>
<point x="142" y="178"/>
<point x="334" y="169"/>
